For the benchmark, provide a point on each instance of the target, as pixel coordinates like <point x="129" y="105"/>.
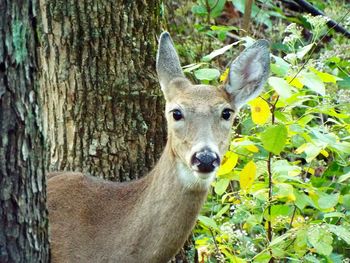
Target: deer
<point x="149" y="219"/>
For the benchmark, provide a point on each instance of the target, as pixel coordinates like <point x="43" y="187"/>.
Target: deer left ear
<point x="248" y="73"/>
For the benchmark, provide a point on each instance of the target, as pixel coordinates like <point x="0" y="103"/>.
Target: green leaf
<point x="218" y="52"/>
<point x="321" y="240"/>
<point x="281" y="86"/>
<point x="207" y="74"/>
<point x="199" y="10"/>
<point x="221" y="186"/>
<point x="327" y="201"/>
<point x="340" y="232"/>
<point x="274" y="138"/>
<point x="262" y="257"/>
<point x="301" y="200"/>
<point x="346" y="201"/>
<point x="344" y="177"/>
<point x="280" y="67"/>
<point x="300" y="244"/>
<point x="304" y="50"/>
<point x="345" y="83"/>
<point x="208" y="222"/>
<point x="278" y="211"/>
<point x="334" y="214"/>
<point x="191" y="67"/>
<point x="313" y="82"/>
<point x="222" y="211"/>
<point x="279" y="239"/>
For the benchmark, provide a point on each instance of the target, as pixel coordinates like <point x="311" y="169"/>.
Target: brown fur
<point x="148" y="220"/>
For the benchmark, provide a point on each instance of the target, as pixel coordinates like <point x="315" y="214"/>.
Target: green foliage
<point x="282" y="191"/>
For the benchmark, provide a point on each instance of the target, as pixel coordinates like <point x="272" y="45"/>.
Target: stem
<point x="269" y="227"/>
<point x="207" y="5"/>
<point x="246" y="16"/>
<point x="215" y="243"/>
<point x="269" y="170"/>
<point x="293" y="215"/>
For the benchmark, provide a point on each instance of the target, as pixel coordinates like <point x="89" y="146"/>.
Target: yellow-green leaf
<point x="295" y="82"/>
<point x="221" y="186"/>
<point x="228" y="163"/>
<point x="247" y="175"/>
<point x="224" y="75"/>
<point x="252" y="148"/>
<point x="325" y="77"/>
<point x="260" y="111"/>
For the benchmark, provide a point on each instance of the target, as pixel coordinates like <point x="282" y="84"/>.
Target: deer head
<point x="200" y="116"/>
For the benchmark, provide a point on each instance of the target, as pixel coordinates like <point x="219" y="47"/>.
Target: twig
<point x="246" y="16"/>
<point x="293" y="215"/>
<point x="215" y="243"/>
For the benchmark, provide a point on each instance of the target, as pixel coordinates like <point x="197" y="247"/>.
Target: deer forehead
<point x="199" y="99"/>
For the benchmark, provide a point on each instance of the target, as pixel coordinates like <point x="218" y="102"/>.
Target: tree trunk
<point x="23" y="214"/>
<point x="103" y="110"/>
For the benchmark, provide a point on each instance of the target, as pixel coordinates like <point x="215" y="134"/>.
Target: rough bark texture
<point x="23" y="214"/>
<point x="103" y="110"/>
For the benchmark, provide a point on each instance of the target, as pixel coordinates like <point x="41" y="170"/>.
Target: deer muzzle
<point x="205" y="161"/>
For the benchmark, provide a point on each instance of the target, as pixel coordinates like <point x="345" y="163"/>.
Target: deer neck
<point x="168" y="208"/>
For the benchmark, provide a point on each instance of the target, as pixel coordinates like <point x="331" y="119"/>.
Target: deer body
<point x="148" y="220"/>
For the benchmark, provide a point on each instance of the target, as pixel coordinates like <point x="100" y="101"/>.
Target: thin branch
<point x="247" y="15"/>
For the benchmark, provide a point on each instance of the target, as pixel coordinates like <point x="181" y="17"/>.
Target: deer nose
<point x="205" y="160"/>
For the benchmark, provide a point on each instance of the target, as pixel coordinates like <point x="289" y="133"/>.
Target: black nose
<point x="205" y="160"/>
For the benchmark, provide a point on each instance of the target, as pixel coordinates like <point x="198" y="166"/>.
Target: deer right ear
<point x="168" y="63"/>
<point x="248" y="73"/>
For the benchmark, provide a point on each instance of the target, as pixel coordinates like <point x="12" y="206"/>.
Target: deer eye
<point x="226" y="114"/>
<point x="177" y="115"/>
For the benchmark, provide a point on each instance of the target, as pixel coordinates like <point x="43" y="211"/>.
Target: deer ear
<point x="168" y="63"/>
<point x="248" y="73"/>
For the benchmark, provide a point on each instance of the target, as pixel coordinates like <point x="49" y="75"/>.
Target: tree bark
<point x="23" y="214"/>
<point x="103" y="109"/>
<point x="102" y="104"/>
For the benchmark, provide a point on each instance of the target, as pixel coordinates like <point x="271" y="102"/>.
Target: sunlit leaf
<point x="284" y="190"/>
<point x="325" y="77"/>
<point x="313" y="82"/>
<point x="327" y="201"/>
<point x="321" y="240"/>
<point x="229" y="161"/>
<point x="207" y="74"/>
<point x="344" y="177"/>
<point x="208" y="222"/>
<point x="280" y="67"/>
<point x="312" y="150"/>
<point x="218" y="52"/>
<point x="191" y="67"/>
<point x="224" y="75"/>
<point x="300" y="244"/>
<point x="281" y="86"/>
<point x="295" y="82"/>
<point x="340" y="232"/>
<point x="221" y="185"/>
<point x="247" y="175"/>
<point x="304" y="50"/>
<point x="252" y="148"/>
<point x="260" y="111"/>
